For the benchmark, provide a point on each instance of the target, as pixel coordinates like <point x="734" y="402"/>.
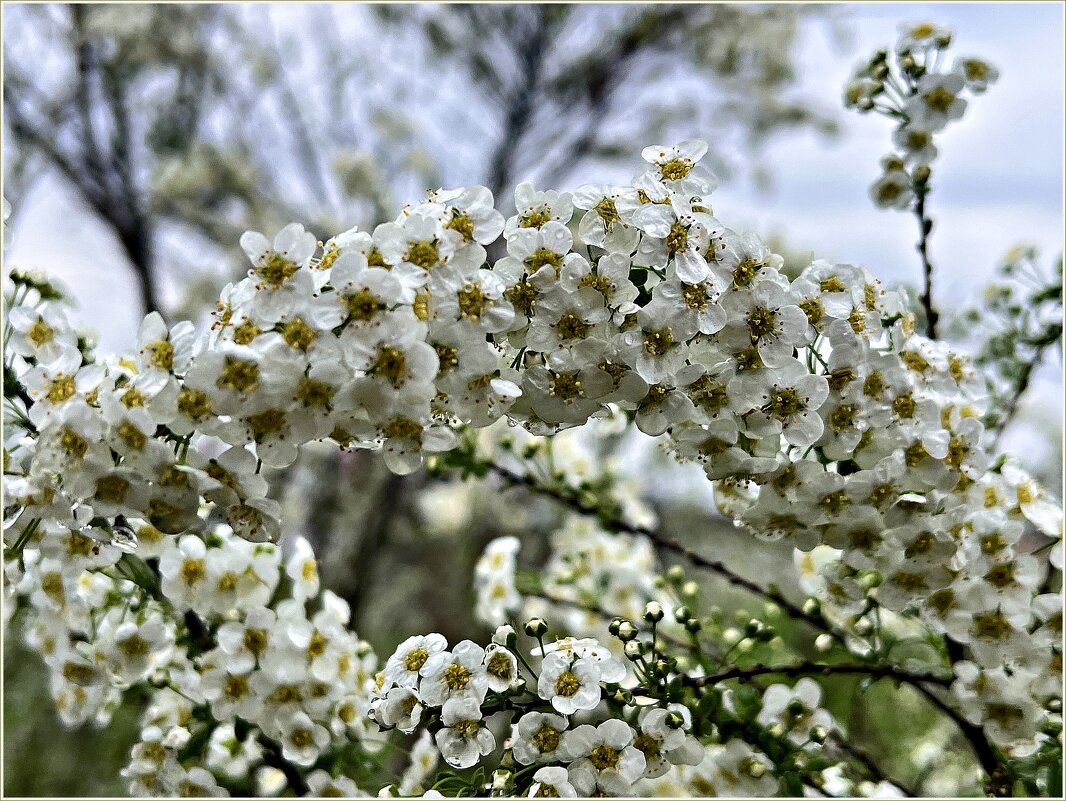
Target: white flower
<point x="537" y="209"/>
<point x="607" y="223"/>
<point x="400" y="708"/>
<point x="537" y="737"/>
<point x="459" y="674"/>
<point x="977" y="73"/>
<point x="464" y="739"/>
<point x="302" y="740"/>
<point x="569" y="684"/>
<point x="677" y="168"/>
<point x="321" y="785"/>
<point x="402" y="668"/>
<point x="937" y="101"/>
<point x="735" y="770"/>
<point x="604" y="758"/>
<point x="501" y="667"/>
<point x="893" y="190"/>
<point x="795" y="708"/>
<point x="302" y="569"/>
<point x="552" y="781"/>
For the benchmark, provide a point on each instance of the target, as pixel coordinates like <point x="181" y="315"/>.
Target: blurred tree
<point x="572" y="83"/>
<point x="217" y="119"/>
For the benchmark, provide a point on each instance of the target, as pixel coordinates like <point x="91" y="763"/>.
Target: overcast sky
<point x="997" y="182"/>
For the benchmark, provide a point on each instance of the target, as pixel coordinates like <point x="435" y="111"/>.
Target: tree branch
<point x="814" y="668"/>
<point x="925" y="226"/>
<point x="582" y="506"/>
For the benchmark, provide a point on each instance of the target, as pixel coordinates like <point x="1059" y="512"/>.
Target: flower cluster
<point x="912" y="87"/>
<point x="139" y="528"/>
<point x="562" y="732"/>
<point x="244" y="661"/>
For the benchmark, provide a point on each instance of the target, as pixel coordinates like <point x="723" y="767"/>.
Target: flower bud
<point x="818" y="734"/>
<point x="634" y="650"/>
<point x="653" y="612"/>
<point x="500" y="780"/>
<point x="627" y="631"/>
<point x="812" y="606"/>
<point x="675" y="574"/>
<point x="536" y="627"/>
<point x="505" y="635"/>
<point x="693" y="625"/>
<point x="823" y="642"/>
<point x="682" y="614"/>
<point x="922" y="173"/>
<point x="690" y="589"/>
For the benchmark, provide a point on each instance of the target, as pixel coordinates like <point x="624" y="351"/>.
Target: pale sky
<point x="998" y="180"/>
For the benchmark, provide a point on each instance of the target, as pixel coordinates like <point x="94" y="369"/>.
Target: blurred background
<point x="139" y="141"/>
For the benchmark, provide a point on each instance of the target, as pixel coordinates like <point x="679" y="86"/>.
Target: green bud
<point x="536" y="627"/>
<point x="675" y="574"/>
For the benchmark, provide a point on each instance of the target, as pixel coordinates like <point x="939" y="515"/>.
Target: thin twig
<point x="871" y="766"/>
<point x="580" y="505"/>
<point x="815" y="668"/>
<point x="925" y="226"/>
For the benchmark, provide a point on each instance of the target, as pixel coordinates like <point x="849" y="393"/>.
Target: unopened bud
<point x="690" y="589"/>
<point x="653" y="612"/>
<point x="505" y="635"/>
<point x="823" y="642"/>
<point x="627" y="631"/>
<point x="634" y="650"/>
<point x="693" y="625"/>
<point x="818" y="734"/>
<point x="675" y="574"/>
<point x="500" y="779"/>
<point x="682" y="614"/>
<point x="536" y="627"/>
<point x="812" y="606"/>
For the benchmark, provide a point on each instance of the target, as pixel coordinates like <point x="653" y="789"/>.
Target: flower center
<point x="657" y="343"/>
<point x="422" y="254"/>
<point x="604" y="757"/>
<point x="456" y="677"/>
<point x="546" y="739"/>
<point x="415" y="659"/>
<point x="567" y="684"/>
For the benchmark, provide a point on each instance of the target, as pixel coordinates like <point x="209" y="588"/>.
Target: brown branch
<point x="925" y="226"/>
<point x="582" y="506"/>
<point x="814" y="668"/>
